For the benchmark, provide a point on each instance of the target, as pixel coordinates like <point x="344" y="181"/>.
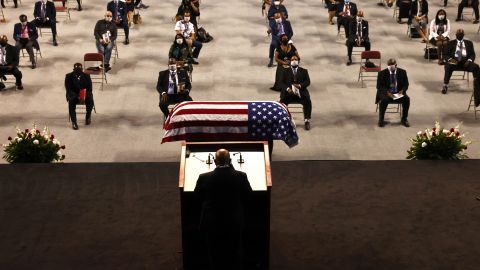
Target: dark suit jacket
<point x="50" y="11"/>
<point x="287" y="28"/>
<point x="414" y="9"/>
<point x="353" y="9"/>
<point x="12" y="57"/>
<point x="223" y="194"/>
<point x="163" y="80"/>
<point x="452" y="47"/>
<point x="32" y="31"/>
<point x="383" y="83"/>
<point x="272" y="10"/>
<point x="73" y="85"/>
<point x="287" y="79"/>
<point x="353" y="30"/>
<point x="122" y="10"/>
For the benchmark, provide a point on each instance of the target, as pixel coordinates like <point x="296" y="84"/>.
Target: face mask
<point x="3" y="43"/>
<point x="276" y="3"/>
<point x="78" y="70"/>
<point x="172" y="67"/>
<point x="108" y="19"/>
<point x="359" y="19"/>
<point x="460" y="36"/>
<point x="187" y="19"/>
<point x="24" y="23"/>
<point x="392" y="68"/>
<point x="294" y="63"/>
<point x="441" y="17"/>
<point x="179" y="41"/>
<point x="284" y="41"/>
<point x="347" y="1"/>
<point x="279" y="20"/>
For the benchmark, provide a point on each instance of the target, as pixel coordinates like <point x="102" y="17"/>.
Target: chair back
<point x="93" y="57"/>
<point x="371" y="55"/>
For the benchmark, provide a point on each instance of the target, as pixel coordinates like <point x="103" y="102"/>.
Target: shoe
<point x="126" y="42"/>
<point x="88" y="121"/>
<point x="307" y="125"/>
<point x="74" y="126"/>
<point x="20" y="87"/>
<point x="381" y="123"/>
<point x="405" y="123"/>
<point x="79" y="8"/>
<point x="390" y="5"/>
<point x="270" y="64"/>
<point x="194" y="62"/>
<point x="441" y="62"/>
<point x="107" y="68"/>
<point x="475" y="22"/>
<point x="331" y="23"/>
<point x="144" y="6"/>
<point x="273" y="88"/>
<point x="2" y="86"/>
<point x="399" y="20"/>
<point x="458" y="19"/>
<point x="4" y="77"/>
<point x="349" y="62"/>
<point x="444" y="89"/>
<point x="34" y="65"/>
<point x="423" y="41"/>
<point x="55" y="43"/>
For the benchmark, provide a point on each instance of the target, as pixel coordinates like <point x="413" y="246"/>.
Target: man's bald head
<point x="222" y="157"/>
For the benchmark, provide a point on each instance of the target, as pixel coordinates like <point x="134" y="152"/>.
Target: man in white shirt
<point x="9" y="62"/>
<point x="460" y="55"/>
<point x="186" y="28"/>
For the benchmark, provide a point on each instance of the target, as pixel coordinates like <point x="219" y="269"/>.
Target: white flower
<point x="437" y="126"/>
<point x="35" y="141"/>
<point x="55" y="141"/>
<point x="419" y="133"/>
<point x="46" y="137"/>
<point x="19" y="139"/>
<point x="446" y="131"/>
<point x="424" y="144"/>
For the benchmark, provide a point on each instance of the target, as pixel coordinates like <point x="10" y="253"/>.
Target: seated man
<point x="46" y="16"/>
<point x="419" y="18"/>
<point x="346" y="11"/>
<point x="294" y="83"/>
<point x="278" y="28"/>
<point x="460" y="55"/>
<point x="119" y="12"/>
<point x="186" y="28"/>
<point x="173" y="86"/>
<point x="358" y="36"/>
<point x="9" y="62"/>
<point x="105" y="35"/>
<point x="468" y="3"/>
<point x="277" y="7"/>
<point x="79" y="3"/>
<point x="192" y="6"/>
<point x="25" y="34"/>
<point x="139" y="4"/>
<point x="392" y="85"/>
<point x="79" y="90"/>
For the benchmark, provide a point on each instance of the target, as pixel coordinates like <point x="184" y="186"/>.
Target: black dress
<point x="285" y="56"/>
<point x="404" y="7"/>
<point x="331" y="6"/>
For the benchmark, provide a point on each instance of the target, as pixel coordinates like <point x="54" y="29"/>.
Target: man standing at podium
<point x="223" y="193"/>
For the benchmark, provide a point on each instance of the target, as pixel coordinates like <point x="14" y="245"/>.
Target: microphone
<point x="209" y="160"/>
<point x="240" y="159"/>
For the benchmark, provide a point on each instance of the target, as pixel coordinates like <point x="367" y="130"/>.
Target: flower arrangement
<point x="33" y="146"/>
<point x="439" y="143"/>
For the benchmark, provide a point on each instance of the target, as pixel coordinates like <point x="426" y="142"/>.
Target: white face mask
<point x="441" y="17"/>
<point x="179" y="41"/>
<point x="392" y="68"/>
<point x="108" y="19"/>
<point x="172" y="67"/>
<point x="294" y="63"/>
<point x="276" y="3"/>
<point x="187" y="19"/>
<point x="24" y="23"/>
<point x="359" y="19"/>
<point x="279" y="20"/>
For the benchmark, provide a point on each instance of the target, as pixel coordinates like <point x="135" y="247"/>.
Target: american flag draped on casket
<point x="230" y="120"/>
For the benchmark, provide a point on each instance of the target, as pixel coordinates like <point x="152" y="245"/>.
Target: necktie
<point x="295" y="75"/>
<point x="116" y="8"/>
<point x="347" y="10"/>
<point x="460" y="51"/>
<point x="393" y="83"/>
<point x="172" y="82"/>
<point x="359" y="29"/>
<point x="3" y="58"/>
<point x="43" y="11"/>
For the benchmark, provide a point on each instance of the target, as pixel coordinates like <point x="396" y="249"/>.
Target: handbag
<point x="137" y="19"/>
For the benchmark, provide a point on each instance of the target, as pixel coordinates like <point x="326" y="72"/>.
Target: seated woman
<point x="332" y="7"/>
<point x="181" y="52"/>
<point x="439" y="33"/>
<point x="419" y="18"/>
<point x="283" y="54"/>
<point x="403" y="9"/>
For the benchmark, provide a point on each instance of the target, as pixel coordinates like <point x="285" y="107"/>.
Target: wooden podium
<point x="256" y="164"/>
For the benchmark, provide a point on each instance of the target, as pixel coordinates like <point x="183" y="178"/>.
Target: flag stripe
<point x="207" y="137"/>
<point x="206" y="123"/>
<point x="207" y="117"/>
<point x="210" y="111"/>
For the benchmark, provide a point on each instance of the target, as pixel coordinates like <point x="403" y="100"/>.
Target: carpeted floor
<point x="325" y="215"/>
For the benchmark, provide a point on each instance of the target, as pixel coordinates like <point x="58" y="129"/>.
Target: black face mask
<point x="3" y="43"/>
<point x="78" y="70"/>
<point x="460" y="36"/>
<point x="284" y="41"/>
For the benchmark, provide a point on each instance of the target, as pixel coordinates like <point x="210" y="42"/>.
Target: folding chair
<point x="115" y="53"/>
<point x="43" y="32"/>
<point x="62" y="10"/>
<point x="97" y="73"/>
<point x="393" y="107"/>
<point x="370" y="55"/>
<point x="19" y="2"/>
<point x="357" y="50"/>
<point x="11" y="81"/>
<point x="2" y="16"/>
<point x="471" y="104"/>
<point x="37" y="52"/>
<point x="83" y="105"/>
<point x="295" y="107"/>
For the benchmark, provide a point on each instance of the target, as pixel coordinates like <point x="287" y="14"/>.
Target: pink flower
<point x="452" y="130"/>
<point x="457" y="133"/>
<point x="9" y="138"/>
<point x="26" y="130"/>
<point x="433" y="133"/>
<point x="433" y="129"/>
<point x="63" y="146"/>
<point x="29" y="135"/>
<point x="38" y="131"/>
<point x="62" y="157"/>
<point x="51" y="137"/>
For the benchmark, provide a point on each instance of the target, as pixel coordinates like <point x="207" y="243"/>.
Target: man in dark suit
<point x="278" y="27"/>
<point x="223" y="194"/>
<point x="9" y="62"/>
<point x="392" y="84"/>
<point x="468" y="3"/>
<point x="346" y="11"/>
<point x="460" y="55"/>
<point x="173" y="86"/>
<point x="46" y="16"/>
<point x="79" y="90"/>
<point x="358" y="35"/>
<point x="119" y="12"/>
<point x="277" y="7"/>
<point x="25" y="34"/>
<point x="105" y="33"/>
<point x="293" y="83"/>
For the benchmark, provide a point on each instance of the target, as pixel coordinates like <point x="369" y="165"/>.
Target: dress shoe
<point x="458" y="19"/>
<point x="307" y="125"/>
<point x="55" y="43"/>
<point x="126" y="42"/>
<point x="2" y="86"/>
<point x="381" y="123"/>
<point x="390" y="5"/>
<point x="74" y="126"/>
<point x="349" y="62"/>
<point x="107" y="68"/>
<point x="4" y="77"/>
<point x="195" y="62"/>
<point x="88" y="121"/>
<point x="34" y="65"/>
<point x="405" y="123"/>
<point x="475" y="22"/>
<point x="20" y="87"/>
<point x="79" y="8"/>
<point x="444" y="89"/>
<point x="270" y="64"/>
